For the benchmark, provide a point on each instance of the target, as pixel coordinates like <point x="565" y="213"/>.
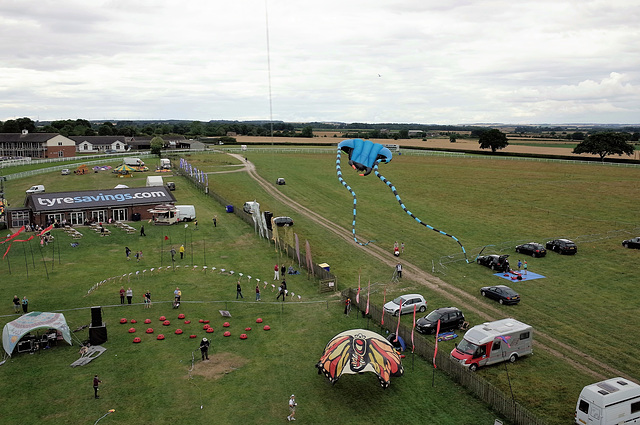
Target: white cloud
<point x="374" y="61"/>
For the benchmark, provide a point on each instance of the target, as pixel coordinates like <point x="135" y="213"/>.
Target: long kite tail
<point x="395" y="192"/>
<point x="353" y="194"/>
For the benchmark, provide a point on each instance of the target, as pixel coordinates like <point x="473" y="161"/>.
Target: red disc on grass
<point x="192" y="336"/>
<point x="136" y="340"/>
<point x="166" y="323"/>
<point x="205" y="327"/>
<point x="259" y="320"/>
<point x="206" y="321"/>
<point x="243" y="336"/>
<point x="209" y="330"/>
<point x="160" y="337"/>
<point x="162" y="318"/>
<point x="226" y="324"/>
<point x="132" y="330"/>
<point x="147" y="321"/>
<point x="149" y="330"/>
<point x="186" y="322"/>
<point x="134" y="321"/>
<point x="267" y="328"/>
<point x="227" y="333"/>
<point x="181" y="316"/>
<point x="178" y="331"/>
<point x="123" y="320"/>
<point x="201" y="321"/>
<point x="247" y="329"/>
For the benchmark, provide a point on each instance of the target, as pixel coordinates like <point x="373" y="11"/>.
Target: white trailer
<point x="133" y="162"/>
<point x="154" y="181"/>
<point x="186" y="212"/>
<point x="609" y="402"/>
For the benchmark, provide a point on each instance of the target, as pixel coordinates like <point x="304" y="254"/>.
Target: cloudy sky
<point x="417" y="61"/>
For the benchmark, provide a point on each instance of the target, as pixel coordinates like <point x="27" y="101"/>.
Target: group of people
<point x="172" y="251"/>
<point x="128" y="293"/>
<point x="398" y="249"/>
<point x="17" y="303"/>
<point x="137" y="255"/>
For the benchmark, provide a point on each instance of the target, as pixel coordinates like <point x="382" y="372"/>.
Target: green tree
<point x="26" y="124"/>
<point x="157" y="143"/>
<point x="307" y="131"/>
<point x="106" y="129"/>
<point x="11" y="126"/>
<point x="606" y="143"/>
<point x="493" y="139"/>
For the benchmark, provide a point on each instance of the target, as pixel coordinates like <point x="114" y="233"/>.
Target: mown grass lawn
<point x="246" y="381"/>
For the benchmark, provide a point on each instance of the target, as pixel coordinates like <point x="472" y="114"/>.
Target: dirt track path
<point x="460" y="297"/>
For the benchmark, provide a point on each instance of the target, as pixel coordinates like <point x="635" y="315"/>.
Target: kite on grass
<point x="357" y="351"/>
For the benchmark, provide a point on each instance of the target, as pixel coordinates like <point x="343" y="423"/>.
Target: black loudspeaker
<point x="97" y="334"/>
<point x="268" y="215"/>
<point x="96" y="316"/>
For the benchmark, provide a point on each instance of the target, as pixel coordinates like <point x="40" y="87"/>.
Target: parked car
<point x="450" y="318"/>
<point x="408" y="301"/>
<point x="532" y="248"/>
<point x="282" y="221"/>
<point x="171" y="185"/>
<point x="563" y="246"/>
<point x="632" y="243"/>
<point x="502" y="293"/>
<point x="110" y="151"/>
<point x="65" y="172"/>
<point x="35" y="189"/>
<point x="495" y="262"/>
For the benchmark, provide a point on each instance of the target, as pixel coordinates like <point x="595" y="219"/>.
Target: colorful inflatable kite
<point x="358" y="351"/>
<point x="364" y="155"/>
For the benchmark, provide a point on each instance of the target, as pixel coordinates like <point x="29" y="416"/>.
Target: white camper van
<point x="165" y="163"/>
<point x="133" y="162"/>
<point x="610" y="402"/>
<point x="186" y="212"/>
<point x="494" y="342"/>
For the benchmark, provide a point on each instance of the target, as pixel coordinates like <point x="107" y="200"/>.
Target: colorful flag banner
<point x="435" y="351"/>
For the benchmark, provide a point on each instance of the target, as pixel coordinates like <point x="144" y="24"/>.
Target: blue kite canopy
<point x="363" y="154"/>
<point x="15" y="330"/>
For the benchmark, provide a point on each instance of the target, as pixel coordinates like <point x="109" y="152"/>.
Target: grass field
<point x="481" y="201"/>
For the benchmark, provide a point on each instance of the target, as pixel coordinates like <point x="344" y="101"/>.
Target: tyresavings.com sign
<point x="110" y="198"/>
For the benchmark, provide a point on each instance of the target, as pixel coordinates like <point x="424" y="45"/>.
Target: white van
<point x="133" y="162"/>
<point x="494" y="342"/>
<point x="186" y="212"/>
<point x="165" y="163"/>
<point x="609" y="402"/>
<point x="35" y="189"/>
<point x="251" y="206"/>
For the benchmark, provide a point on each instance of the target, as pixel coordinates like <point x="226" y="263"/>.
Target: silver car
<point x="408" y="301"/>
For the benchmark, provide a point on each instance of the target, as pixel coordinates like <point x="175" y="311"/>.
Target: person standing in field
<point x="129" y="295"/>
<point x="181" y="251"/>
<point x="122" y="292"/>
<point x="16" y="304"/>
<point x="96" y="383"/>
<point x="257" y="293"/>
<point x="25" y="305"/>
<point x="276" y="272"/>
<point x="292" y="408"/>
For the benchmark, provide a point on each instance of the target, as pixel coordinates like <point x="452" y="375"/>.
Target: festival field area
<point x="164" y="381"/>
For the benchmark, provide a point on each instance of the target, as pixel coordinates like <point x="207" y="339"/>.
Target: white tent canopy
<point x="14" y="331"/>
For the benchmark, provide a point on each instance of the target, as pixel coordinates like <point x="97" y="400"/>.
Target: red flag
<point x="368" y="292"/>
<point x="413" y="344"/>
<point x="384" y="301"/>
<point x="16" y="240"/>
<point x="48" y="229"/>
<point x="358" y="294"/>
<point x="436" y="349"/>
<point x="8" y="238"/>
<point x="399" y="316"/>
<point x="166" y="238"/>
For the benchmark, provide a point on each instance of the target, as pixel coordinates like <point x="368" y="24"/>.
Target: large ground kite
<point x="357" y="351"/>
<point x="364" y="155"/>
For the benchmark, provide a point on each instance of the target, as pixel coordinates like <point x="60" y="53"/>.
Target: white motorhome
<point x="164" y="214"/>
<point x="165" y="163"/>
<point x="609" y="402"/>
<point x="133" y="162"/>
<point x="186" y="212"/>
<point x="494" y="342"/>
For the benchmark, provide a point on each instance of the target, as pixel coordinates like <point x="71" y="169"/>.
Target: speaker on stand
<point x="97" y="329"/>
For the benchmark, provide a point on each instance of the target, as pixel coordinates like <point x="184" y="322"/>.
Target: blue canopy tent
<point x="15" y="330"/>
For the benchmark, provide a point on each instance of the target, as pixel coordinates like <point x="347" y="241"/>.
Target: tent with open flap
<point x="15" y="330"/>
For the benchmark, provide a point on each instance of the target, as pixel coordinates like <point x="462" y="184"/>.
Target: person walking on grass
<point x="129" y="295"/>
<point x="292" y="408"/>
<point x="142" y="233"/>
<point x="122" y="292"/>
<point x="525" y="267"/>
<point x="239" y="291"/>
<point x="16" y="304"/>
<point x="96" y="383"/>
<point x="127" y="252"/>
<point x="258" y="293"/>
<point x="181" y="251"/>
<point x="215" y="221"/>
<point x="25" y="305"/>
<point x="276" y="272"/>
<point x="204" y="349"/>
